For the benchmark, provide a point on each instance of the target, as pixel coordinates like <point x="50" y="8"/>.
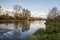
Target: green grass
<point x="12" y="20"/>
<point x="52" y="31"/>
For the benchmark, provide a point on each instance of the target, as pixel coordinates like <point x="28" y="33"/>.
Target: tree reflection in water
<point x="24" y="26"/>
<point x="16" y="30"/>
<point x="20" y="30"/>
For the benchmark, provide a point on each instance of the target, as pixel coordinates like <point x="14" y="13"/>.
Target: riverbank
<point x="52" y="31"/>
<point x="10" y="20"/>
<point x="19" y="20"/>
<point x="38" y="35"/>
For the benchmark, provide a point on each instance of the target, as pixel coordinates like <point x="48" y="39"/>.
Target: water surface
<point x="19" y="30"/>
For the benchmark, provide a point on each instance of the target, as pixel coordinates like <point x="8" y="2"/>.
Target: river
<point x="19" y="30"/>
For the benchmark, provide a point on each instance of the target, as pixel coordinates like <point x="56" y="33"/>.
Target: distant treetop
<point x="17" y="7"/>
<point x="0" y="7"/>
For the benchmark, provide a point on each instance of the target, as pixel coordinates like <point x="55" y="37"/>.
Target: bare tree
<point x="17" y="7"/>
<point x="1" y="9"/>
<point x="26" y="13"/>
<point x="53" y="13"/>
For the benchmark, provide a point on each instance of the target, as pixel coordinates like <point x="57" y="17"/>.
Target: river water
<point x="19" y="30"/>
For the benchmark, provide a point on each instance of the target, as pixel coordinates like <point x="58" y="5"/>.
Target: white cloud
<point x="10" y="10"/>
<point x="39" y="14"/>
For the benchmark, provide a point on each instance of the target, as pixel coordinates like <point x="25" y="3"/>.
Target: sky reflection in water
<point x="19" y="30"/>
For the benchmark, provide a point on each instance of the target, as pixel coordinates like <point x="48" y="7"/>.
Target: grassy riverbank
<point x="52" y="31"/>
<point x="9" y="20"/>
<point x="4" y="21"/>
<point x="21" y="20"/>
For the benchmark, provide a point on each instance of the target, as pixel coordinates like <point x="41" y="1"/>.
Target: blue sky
<point x="32" y="5"/>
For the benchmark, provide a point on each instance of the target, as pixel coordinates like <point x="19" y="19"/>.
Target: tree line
<point x="19" y="14"/>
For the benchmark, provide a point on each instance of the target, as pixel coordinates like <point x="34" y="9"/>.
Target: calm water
<point x="19" y="30"/>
